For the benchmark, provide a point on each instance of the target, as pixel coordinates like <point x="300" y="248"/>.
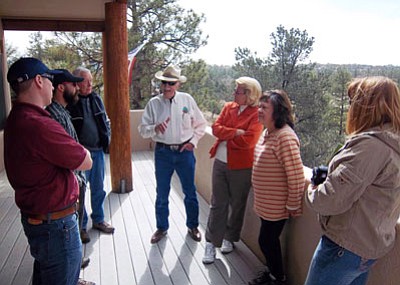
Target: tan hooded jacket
<point x="359" y="203"/>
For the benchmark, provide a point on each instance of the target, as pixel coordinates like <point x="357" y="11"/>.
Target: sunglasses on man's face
<point x="168" y="83"/>
<point x="48" y="76"/>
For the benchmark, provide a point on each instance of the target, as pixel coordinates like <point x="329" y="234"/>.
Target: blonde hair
<point x="374" y="101"/>
<point x="252" y="87"/>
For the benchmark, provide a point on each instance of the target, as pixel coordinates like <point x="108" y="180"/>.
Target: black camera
<point x="319" y="174"/>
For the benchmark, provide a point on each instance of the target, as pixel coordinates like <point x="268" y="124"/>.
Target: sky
<point x="345" y="31"/>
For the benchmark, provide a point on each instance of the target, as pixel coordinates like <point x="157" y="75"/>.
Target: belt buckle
<point x="174" y="147"/>
<point x="34" y="222"/>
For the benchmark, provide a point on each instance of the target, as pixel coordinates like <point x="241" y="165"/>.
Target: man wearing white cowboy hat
<point x="174" y="121"/>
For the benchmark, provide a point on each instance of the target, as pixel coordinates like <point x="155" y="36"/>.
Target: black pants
<point x="271" y="246"/>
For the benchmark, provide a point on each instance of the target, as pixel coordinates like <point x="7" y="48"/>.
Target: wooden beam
<point x="116" y="89"/>
<point x="53" y="25"/>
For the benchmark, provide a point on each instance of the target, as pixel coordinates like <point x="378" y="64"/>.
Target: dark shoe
<point x="84" y="282"/>
<point x="85" y="238"/>
<point x="157" y="236"/>
<point x="85" y="262"/>
<point x="104" y="227"/>
<point x="263" y="278"/>
<point x="194" y="234"/>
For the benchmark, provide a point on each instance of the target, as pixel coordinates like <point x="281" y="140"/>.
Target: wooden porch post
<point x="116" y="89"/>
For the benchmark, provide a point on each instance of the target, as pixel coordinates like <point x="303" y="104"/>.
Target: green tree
<point x="70" y="50"/>
<point x="73" y="49"/>
<point x="12" y="53"/>
<point x="289" y="49"/>
<point x="36" y="48"/>
<point x="339" y="102"/>
<point x="170" y="32"/>
<point x="200" y="86"/>
<point x="249" y="64"/>
<point x="221" y="82"/>
<point x="286" y="68"/>
<point x="197" y="76"/>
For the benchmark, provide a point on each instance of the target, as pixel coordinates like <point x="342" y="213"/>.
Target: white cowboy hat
<point x="171" y="73"/>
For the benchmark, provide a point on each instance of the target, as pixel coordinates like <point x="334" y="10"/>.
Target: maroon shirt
<point x="39" y="158"/>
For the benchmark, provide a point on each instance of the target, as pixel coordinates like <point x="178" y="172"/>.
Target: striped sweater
<point x="278" y="176"/>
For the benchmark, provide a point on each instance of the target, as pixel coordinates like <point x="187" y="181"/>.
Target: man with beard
<point x="66" y="92"/>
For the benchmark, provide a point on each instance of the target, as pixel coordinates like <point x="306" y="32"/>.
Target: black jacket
<point x="100" y="115"/>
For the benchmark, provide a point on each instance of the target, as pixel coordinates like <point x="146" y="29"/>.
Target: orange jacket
<point x="240" y="148"/>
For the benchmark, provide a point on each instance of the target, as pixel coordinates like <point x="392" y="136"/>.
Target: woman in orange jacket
<point x="237" y="130"/>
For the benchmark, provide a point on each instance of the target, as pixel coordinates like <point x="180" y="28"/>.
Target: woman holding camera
<point x="359" y="202"/>
<point x="278" y="180"/>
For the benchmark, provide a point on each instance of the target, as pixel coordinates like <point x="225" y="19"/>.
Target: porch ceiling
<point x="77" y="10"/>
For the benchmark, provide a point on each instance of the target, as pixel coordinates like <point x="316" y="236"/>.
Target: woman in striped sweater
<point x="278" y="180"/>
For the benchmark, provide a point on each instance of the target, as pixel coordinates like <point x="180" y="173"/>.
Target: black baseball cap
<point x="65" y="76"/>
<point x="27" y="68"/>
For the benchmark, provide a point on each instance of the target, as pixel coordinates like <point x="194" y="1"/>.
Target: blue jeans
<point x="166" y="162"/>
<point x="95" y="178"/>
<point x="57" y="250"/>
<point x="335" y="265"/>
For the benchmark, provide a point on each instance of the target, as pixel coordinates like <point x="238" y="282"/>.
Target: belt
<point x="39" y="218"/>
<point x="172" y="146"/>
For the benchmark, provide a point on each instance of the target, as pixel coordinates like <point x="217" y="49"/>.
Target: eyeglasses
<point x="48" y="76"/>
<point x="239" y="93"/>
<point x="168" y="83"/>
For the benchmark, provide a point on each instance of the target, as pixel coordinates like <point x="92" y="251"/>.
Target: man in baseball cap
<point x="40" y="159"/>
<point x="27" y="68"/>
<point x="66" y="92"/>
<point x="66" y="87"/>
<point x="65" y="76"/>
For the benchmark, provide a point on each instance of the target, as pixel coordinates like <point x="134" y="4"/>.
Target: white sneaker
<point x="209" y="254"/>
<point x="227" y="246"/>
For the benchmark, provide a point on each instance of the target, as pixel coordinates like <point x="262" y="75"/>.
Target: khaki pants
<point x="230" y="189"/>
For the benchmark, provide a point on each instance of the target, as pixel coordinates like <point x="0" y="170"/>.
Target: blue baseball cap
<point x="27" y="68"/>
<point x="65" y="76"/>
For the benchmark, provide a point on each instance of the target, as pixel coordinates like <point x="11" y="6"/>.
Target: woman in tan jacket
<point x="359" y="202"/>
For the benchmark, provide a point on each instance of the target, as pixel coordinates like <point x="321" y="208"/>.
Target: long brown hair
<point x="374" y="101"/>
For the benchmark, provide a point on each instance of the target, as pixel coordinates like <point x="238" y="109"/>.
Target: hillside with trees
<point x="317" y="91"/>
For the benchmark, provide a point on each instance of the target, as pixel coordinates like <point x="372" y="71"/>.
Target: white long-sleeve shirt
<point x="186" y="120"/>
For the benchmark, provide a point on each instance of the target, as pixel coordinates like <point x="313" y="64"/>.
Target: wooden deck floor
<point x="127" y="257"/>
